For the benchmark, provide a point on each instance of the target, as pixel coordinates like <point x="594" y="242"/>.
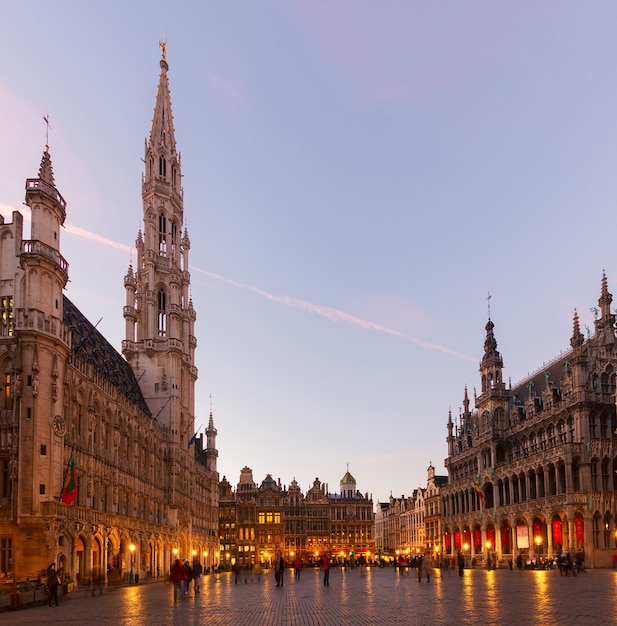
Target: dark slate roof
<point x="90" y="344"/>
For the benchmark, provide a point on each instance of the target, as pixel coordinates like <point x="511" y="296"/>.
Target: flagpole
<point x="192" y="439"/>
<point x="187" y="427"/>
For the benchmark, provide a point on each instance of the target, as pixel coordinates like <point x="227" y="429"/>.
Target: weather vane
<point x="46" y="119"/>
<point x="488" y="299"/>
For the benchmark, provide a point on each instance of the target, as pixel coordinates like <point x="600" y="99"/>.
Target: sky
<point x="358" y="178"/>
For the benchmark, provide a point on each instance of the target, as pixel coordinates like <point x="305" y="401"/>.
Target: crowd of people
<point x="183" y="574"/>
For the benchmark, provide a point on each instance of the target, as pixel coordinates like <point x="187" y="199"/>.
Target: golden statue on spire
<point x="163" y="45"/>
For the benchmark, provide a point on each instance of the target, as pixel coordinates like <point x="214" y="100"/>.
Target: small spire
<point x="466" y="401"/>
<point x="605" y="298"/>
<point x="46" y="171"/>
<point x="577" y="336"/>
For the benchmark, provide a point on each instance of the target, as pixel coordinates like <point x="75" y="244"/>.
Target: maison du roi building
<point x="143" y="494"/>
<point x="532" y="469"/>
<point x="257" y="520"/>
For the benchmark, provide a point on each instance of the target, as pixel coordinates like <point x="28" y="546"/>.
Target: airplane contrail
<point x="330" y="313"/>
<point x="337" y="316"/>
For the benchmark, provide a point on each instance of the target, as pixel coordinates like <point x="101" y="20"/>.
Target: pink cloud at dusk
<point x="398" y="52"/>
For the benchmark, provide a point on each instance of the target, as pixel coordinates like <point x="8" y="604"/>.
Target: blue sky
<point x="358" y="177"/>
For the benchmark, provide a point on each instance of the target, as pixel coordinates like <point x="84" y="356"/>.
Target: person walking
<point x="177" y="577"/>
<point x="97" y="580"/>
<point x="197" y="572"/>
<point x="52" y="584"/>
<point x="325" y="562"/>
<point x="362" y="564"/>
<point x="298" y="567"/>
<point x="279" y="568"/>
<point x="188" y="576"/>
<point x="461" y="563"/>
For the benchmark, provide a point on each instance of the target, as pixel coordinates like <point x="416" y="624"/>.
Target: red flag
<point x="70" y="489"/>
<point x="480" y="494"/>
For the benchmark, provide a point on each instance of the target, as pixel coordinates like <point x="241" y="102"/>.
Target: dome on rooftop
<point x="348" y="479"/>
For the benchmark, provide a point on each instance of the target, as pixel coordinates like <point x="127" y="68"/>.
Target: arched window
<point x="595" y="463"/>
<point x="561" y="431"/>
<point x="162" y="167"/>
<point x="523" y="487"/>
<point x="607" y="380"/>
<point x="162" y="313"/>
<point x="552" y="481"/>
<point x="542" y="439"/>
<point x="606" y="474"/>
<point x="597" y="529"/>
<point x="608" y="529"/>
<point x="532" y="485"/>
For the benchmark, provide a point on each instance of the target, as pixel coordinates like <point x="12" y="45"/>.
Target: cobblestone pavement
<point x="382" y="596"/>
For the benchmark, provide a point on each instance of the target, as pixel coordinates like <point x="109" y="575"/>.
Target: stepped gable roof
<point x="90" y="344"/>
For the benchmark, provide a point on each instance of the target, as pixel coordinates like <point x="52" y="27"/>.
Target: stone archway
<point x="114" y="564"/>
<point x="81" y="558"/>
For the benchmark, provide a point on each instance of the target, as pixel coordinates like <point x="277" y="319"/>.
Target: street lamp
<point x="132" y="550"/>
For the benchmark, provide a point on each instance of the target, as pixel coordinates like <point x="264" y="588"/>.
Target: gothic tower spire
<point x="492" y="364"/>
<point x="159" y="315"/>
<point x="211" y="451"/>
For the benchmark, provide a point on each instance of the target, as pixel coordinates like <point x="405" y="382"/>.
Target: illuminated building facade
<point x="532" y="468"/>
<point x="271" y="517"/>
<point x="144" y="488"/>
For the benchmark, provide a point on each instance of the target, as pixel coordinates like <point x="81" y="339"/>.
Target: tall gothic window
<point x="162" y="167"/>
<point x="6" y="554"/>
<point x="5" y="480"/>
<point x="162" y="234"/>
<point x="162" y="313"/>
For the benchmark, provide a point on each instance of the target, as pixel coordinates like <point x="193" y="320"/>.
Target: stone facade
<point x="271" y="517"/>
<point x="532" y="469"/>
<point x="143" y="493"/>
<point x="411" y="525"/>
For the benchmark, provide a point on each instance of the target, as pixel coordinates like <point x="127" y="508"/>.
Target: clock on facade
<point x="59" y="426"/>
